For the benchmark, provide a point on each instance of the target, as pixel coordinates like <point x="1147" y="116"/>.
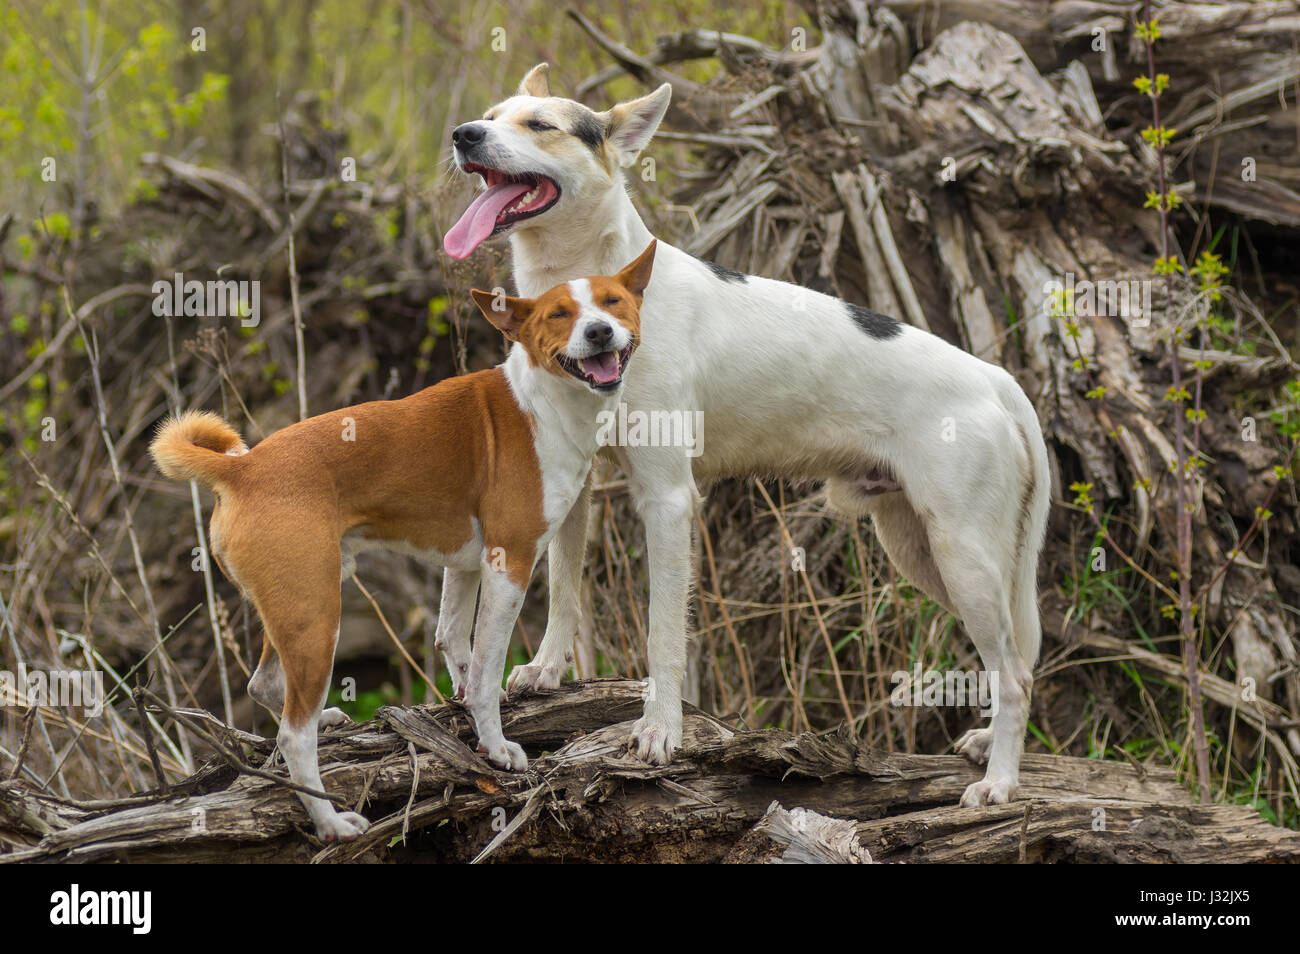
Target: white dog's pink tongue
<point x="603" y="367"/>
<point x="481" y="218"/>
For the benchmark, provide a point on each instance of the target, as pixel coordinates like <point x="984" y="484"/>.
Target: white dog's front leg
<point x="658" y="734"/>
<point x="565" y="558"/>
<point x="455" y="620"/>
<point x="499" y="603"/>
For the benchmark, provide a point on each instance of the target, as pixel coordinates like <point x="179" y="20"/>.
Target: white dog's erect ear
<point x="536" y="83"/>
<point x="631" y="125"/>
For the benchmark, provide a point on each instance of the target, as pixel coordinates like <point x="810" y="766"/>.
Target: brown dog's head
<point x="584" y="330"/>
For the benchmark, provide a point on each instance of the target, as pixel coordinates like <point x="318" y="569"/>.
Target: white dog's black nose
<point x="467" y="135"/>
<point x="599" y="333"/>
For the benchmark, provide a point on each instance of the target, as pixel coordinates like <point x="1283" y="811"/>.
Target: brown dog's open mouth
<point x="509" y="198"/>
<point x="600" y="372"/>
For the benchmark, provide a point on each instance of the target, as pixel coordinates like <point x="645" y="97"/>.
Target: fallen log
<point x="431" y="797"/>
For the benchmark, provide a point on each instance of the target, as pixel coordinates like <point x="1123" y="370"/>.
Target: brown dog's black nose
<point x="599" y="333"/>
<point x="468" y="134"/>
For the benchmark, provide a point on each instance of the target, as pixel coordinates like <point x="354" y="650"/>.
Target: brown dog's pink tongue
<point x="603" y="367"/>
<point x="481" y="218"/>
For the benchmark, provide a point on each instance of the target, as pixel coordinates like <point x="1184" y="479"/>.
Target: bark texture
<point x="430" y="797"/>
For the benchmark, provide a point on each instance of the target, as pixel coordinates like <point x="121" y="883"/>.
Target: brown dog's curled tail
<point x="197" y="445"/>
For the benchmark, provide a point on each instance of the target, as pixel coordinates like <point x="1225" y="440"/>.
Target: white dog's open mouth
<point x="600" y="372"/>
<point x="508" y="199"/>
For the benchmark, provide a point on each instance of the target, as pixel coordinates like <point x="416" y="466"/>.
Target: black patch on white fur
<point x="725" y="273"/>
<point x="590" y="130"/>
<point x="873" y="322"/>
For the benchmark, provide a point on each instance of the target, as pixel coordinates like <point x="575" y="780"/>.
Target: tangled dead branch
<point x="432" y="798"/>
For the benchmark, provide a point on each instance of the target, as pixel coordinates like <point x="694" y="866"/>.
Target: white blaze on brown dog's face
<point x="540" y="155"/>
<point x="585" y="329"/>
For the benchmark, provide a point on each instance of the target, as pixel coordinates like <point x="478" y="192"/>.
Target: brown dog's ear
<point x="536" y="83"/>
<point x="508" y="314"/>
<point x="636" y="276"/>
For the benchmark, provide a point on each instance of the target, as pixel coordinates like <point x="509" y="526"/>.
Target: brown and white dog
<point x="475" y="473"/>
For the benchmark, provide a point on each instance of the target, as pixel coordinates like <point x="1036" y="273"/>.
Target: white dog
<point x="941" y="449"/>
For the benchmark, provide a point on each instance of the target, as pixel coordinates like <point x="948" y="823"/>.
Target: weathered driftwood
<point x="432" y="797"/>
<point x="812" y="839"/>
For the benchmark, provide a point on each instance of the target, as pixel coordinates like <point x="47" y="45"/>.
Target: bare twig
<point x="528" y="811"/>
<point x="1187" y="621"/>
<point x="165" y="664"/>
<point x="208" y="587"/>
<point x="28" y="721"/>
<point x="138" y="696"/>
<point x="293" y="266"/>
<point x="817" y="613"/>
<point x="235" y="762"/>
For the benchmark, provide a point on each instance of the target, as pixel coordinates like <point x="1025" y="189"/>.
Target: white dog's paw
<point x="343" y="826"/>
<point x="654" y="742"/>
<point x="459" y="680"/>
<point x="534" y="677"/>
<point x="989" y="792"/>
<point x="976" y="745"/>
<point x="505" y="754"/>
<point x="331" y="717"/>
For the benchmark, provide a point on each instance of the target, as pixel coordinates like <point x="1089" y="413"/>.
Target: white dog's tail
<point x="1035" y="504"/>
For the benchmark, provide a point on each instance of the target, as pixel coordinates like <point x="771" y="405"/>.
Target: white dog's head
<point x="542" y="156"/>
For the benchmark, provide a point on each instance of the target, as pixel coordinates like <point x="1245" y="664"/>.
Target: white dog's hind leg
<point x="455" y="620"/>
<point x="976" y="744"/>
<point x="900" y="531"/>
<point x="907" y="544"/>
<point x="499" y="604"/>
<point x="980" y="594"/>
<point x="331" y="717"/>
<point x="565" y="558"/>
